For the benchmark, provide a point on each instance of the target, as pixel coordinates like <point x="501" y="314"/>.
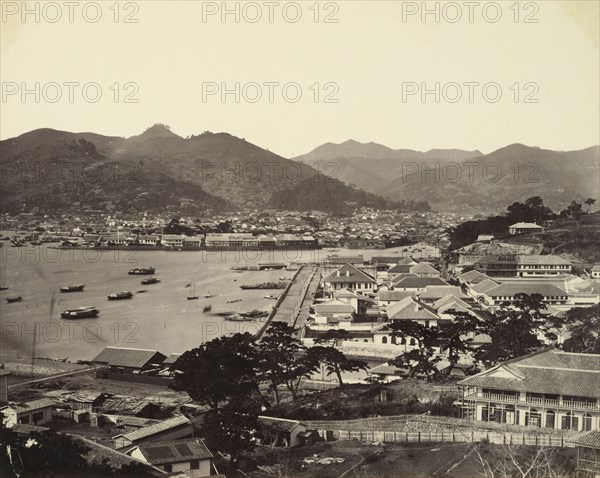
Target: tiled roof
<point x="510" y="290"/>
<point x="473" y="277"/>
<point x="549" y="371"/>
<point x="542" y="260"/>
<point x="400" y="269"/>
<point x="155" y="429"/>
<point x="485" y="286"/>
<point x="410" y="309"/>
<point x="449" y="300"/>
<point x="591" y="440"/>
<point x="124" y="357"/>
<point x="280" y="424"/>
<point x="439" y="291"/>
<point x="33" y="405"/>
<point x="348" y="274"/>
<point x="347" y="294"/>
<point x="333" y="306"/>
<point x="419" y="282"/>
<point x="175" y="451"/>
<point x="394" y="295"/>
<point x="525" y="225"/>
<point x="171" y="359"/>
<point x="423" y="268"/>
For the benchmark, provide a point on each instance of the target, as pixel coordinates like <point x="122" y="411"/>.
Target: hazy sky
<point x="375" y="61"/>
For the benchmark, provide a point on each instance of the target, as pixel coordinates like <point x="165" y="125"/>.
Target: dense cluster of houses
<point x="364" y="298"/>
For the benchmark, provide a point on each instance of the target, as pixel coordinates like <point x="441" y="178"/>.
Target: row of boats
<point x="91" y="312"/>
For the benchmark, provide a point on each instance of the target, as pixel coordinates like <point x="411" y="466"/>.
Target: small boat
<point x="72" y="288"/>
<point x="14" y="298"/>
<point x="120" y="295"/>
<point x="207" y="308"/>
<point x="271" y="296"/>
<point x="80" y="313"/>
<point x="151" y="280"/>
<point x="4" y="287"/>
<point x="142" y="271"/>
<point x="192" y="295"/>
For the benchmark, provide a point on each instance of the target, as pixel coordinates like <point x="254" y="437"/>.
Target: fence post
<point x="472" y="436"/>
<point x="394" y="437"/>
<point x="406" y="440"/>
<point x="453" y="438"/>
<point x="523" y="438"/>
<point x="419" y="438"/>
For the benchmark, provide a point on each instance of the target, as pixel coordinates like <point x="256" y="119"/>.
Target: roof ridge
<point x="550" y="367"/>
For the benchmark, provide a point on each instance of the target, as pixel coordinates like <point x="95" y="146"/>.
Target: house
<point x="423" y="269"/>
<point x="596" y="271"/>
<point x="333" y="310"/>
<point x="524" y="228"/>
<point x="148" y="240"/>
<point x="538" y="265"/>
<point x="411" y="309"/>
<point x="171" y="429"/>
<point x="507" y="294"/>
<point x="471" y="277"/>
<point x="588" y="454"/>
<point x="190" y="456"/>
<point x="497" y="265"/>
<point x="388" y="297"/>
<point x="433" y="293"/>
<point x="548" y="388"/>
<point x="281" y="432"/>
<point x="385" y="373"/>
<point x="418" y="284"/>
<point x="127" y="360"/>
<point x="171" y="240"/>
<point x="193" y="242"/>
<point x="348" y="277"/>
<point x="402" y="267"/>
<point x="407" y="309"/>
<point x="35" y="412"/>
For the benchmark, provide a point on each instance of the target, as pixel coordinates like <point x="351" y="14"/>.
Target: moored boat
<point x="80" y="313"/>
<point x="72" y="288"/>
<point x="142" y="271"/>
<point x="151" y="280"/>
<point x="14" y="298"/>
<point x="125" y="294"/>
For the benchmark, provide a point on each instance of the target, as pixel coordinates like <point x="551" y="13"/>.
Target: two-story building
<point x="348" y="277"/>
<point x="536" y="265"/>
<point x="549" y="388"/>
<point x="507" y="294"/>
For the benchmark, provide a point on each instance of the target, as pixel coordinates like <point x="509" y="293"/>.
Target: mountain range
<point x="451" y="178"/>
<point x="159" y="170"/>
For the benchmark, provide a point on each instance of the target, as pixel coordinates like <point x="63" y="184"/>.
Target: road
<point x="56" y="376"/>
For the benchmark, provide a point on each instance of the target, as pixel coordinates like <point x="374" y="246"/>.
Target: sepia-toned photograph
<point x="300" y="239"/>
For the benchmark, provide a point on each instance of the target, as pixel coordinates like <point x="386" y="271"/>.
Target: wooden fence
<point x="498" y="438"/>
<point x="131" y="377"/>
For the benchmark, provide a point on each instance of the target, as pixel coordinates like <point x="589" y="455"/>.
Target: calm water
<point x="160" y="318"/>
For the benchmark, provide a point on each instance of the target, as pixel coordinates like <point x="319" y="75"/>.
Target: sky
<point x="289" y="76"/>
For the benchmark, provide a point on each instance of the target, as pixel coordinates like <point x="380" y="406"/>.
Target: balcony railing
<point x="548" y="402"/>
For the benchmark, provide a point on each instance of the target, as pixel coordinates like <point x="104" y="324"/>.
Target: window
<point x="195" y="465"/>
<point x="38" y="417"/>
<point x="413" y="341"/>
<point x="24" y="420"/>
<point x="384" y="339"/>
<point x="168" y="468"/>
